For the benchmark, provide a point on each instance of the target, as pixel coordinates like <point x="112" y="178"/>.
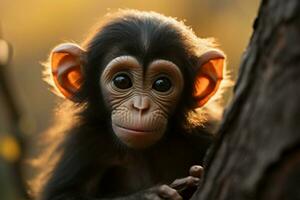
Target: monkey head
<point x="141" y="93"/>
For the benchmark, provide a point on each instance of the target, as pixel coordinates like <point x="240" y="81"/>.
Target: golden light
<point x="4" y="52"/>
<point x="9" y="148"/>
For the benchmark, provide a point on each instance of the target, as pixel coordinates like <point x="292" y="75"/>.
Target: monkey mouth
<point x="136" y="137"/>
<point x="136" y="131"/>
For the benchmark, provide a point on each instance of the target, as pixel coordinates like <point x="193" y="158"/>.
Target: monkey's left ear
<point x="209" y="76"/>
<point x="67" y="60"/>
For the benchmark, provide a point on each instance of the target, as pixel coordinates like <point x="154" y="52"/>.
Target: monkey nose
<point x="141" y="103"/>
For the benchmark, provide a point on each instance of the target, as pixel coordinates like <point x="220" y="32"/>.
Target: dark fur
<point x="89" y="162"/>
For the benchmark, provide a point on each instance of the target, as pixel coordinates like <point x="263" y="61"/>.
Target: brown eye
<point x="162" y="84"/>
<point x="122" y="81"/>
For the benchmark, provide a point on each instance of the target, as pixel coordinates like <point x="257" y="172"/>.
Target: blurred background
<point x="34" y="27"/>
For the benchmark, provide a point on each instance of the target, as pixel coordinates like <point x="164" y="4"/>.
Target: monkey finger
<point x="184" y="183"/>
<point x="168" y="193"/>
<point x="196" y="171"/>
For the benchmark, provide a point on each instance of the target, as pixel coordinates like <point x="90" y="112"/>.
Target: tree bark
<point x="257" y="155"/>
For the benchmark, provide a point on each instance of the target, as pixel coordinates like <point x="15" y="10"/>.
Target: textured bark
<point x="258" y="153"/>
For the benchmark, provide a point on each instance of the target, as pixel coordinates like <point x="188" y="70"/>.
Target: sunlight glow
<point x="4" y="52"/>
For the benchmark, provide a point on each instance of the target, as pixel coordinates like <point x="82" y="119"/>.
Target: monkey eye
<point x="162" y="84"/>
<point x="122" y="81"/>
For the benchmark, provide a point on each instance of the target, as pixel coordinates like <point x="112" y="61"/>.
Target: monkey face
<point x="141" y="99"/>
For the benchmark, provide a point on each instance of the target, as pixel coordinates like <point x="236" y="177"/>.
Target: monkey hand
<point x="188" y="185"/>
<point x="161" y="192"/>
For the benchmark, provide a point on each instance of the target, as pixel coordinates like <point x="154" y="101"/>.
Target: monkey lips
<point x="137" y="137"/>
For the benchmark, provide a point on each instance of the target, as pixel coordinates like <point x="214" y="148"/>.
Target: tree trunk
<point x="257" y="155"/>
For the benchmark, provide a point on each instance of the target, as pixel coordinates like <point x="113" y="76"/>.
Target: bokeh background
<point x="33" y="27"/>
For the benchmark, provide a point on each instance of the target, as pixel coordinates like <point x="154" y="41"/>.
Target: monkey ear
<point x="209" y="76"/>
<point x="66" y="68"/>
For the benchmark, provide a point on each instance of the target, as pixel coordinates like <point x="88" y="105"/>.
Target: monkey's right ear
<point x="67" y="60"/>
